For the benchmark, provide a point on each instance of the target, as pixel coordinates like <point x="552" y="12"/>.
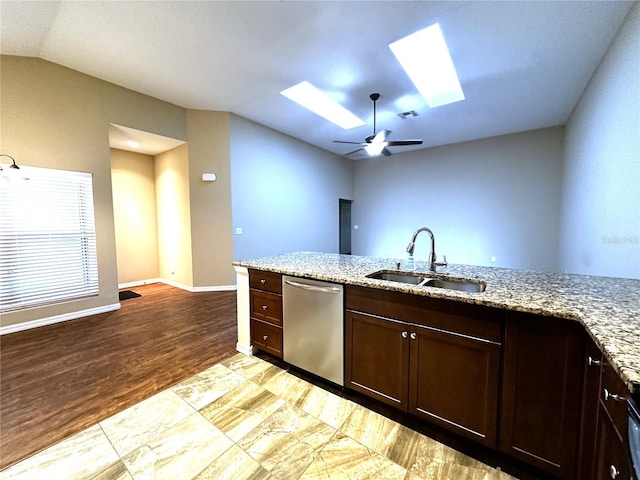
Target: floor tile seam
<point x="155" y="432"/>
<point x="216" y="458"/>
<point x="284" y="404"/>
<point x="146" y="444"/>
<point x="368" y="449"/>
<point x="236" y="443"/>
<point x="120" y="458"/>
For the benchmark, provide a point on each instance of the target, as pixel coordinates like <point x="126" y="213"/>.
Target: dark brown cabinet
<point x="454" y="382"/>
<point x="592" y="362"/>
<point x="436" y="359"/>
<point x="265" y="306"/>
<point x="542" y="391"/>
<point x="612" y="461"/>
<point x="377" y="362"/>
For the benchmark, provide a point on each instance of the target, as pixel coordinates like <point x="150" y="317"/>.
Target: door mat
<point x="127" y="294"/>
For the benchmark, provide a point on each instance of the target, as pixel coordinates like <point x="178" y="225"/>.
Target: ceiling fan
<point x="377" y="143"/>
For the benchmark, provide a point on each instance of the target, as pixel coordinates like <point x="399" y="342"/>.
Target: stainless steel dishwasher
<point x="313" y="329"/>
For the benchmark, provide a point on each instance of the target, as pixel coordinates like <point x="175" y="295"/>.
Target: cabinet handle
<point x="264" y="337"/>
<point x="613" y="471"/>
<point x="405" y="334"/>
<point x="608" y="395"/>
<point x="414" y="335"/>
<point x="264" y="307"/>
<point x="263" y="281"/>
<point x="593" y="361"/>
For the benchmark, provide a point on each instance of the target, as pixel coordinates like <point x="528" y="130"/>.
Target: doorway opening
<point x="345" y="225"/>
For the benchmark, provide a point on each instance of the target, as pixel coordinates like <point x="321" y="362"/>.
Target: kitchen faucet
<point x="432" y="256"/>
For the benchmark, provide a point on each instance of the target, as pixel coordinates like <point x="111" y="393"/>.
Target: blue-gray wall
<point x="497" y="197"/>
<point x="284" y="192"/>
<point x="601" y="193"/>
<point x="562" y="199"/>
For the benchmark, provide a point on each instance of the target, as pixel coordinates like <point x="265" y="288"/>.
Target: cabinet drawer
<point x="613" y="395"/>
<point x="448" y="315"/>
<point x="267" y="281"/>
<point x="266" y="337"/>
<point x="266" y="306"/>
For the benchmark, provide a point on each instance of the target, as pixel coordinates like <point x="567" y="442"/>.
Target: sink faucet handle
<point x="443" y="263"/>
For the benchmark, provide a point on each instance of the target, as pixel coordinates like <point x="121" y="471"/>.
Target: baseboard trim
<point x="139" y="283"/>
<point x="41" y="322"/>
<point x="245" y="349"/>
<point x="215" y="288"/>
<point x="182" y="286"/>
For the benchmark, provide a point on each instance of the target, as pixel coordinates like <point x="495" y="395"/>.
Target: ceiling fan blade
<point x="355" y="151"/>
<point x="400" y="143"/>
<point x="352" y="143"/>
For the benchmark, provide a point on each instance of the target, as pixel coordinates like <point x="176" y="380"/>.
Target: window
<point x="47" y="237"/>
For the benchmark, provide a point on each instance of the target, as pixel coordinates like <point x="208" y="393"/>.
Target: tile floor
<point x="248" y="419"/>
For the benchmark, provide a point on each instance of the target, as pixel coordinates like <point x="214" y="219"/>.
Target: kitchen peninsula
<point x="608" y="308"/>
<point x="535" y="350"/>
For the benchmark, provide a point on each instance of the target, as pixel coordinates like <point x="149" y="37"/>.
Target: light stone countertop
<point x="609" y="308"/>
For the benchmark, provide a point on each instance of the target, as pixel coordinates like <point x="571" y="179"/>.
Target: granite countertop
<point x="609" y="308"/>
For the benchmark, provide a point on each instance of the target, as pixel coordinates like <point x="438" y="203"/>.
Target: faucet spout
<point x="432" y="255"/>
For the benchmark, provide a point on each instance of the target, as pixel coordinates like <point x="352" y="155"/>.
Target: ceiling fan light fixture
<point x="321" y="104"/>
<point x="426" y="60"/>
<point x="375" y="148"/>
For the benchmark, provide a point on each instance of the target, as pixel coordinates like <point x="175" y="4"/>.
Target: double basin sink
<point x="423" y="279"/>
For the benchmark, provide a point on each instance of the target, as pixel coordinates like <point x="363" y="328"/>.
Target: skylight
<point x="425" y="57"/>
<point x="319" y="103"/>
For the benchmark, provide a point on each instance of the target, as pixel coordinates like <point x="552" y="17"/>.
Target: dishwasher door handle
<point x="313" y="288"/>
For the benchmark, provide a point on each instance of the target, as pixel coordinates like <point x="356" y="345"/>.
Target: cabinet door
<point x="612" y="456"/>
<point x="266" y="337"/>
<point x="377" y="358"/>
<point x="454" y="382"/>
<point x="589" y="421"/>
<point x="542" y="392"/>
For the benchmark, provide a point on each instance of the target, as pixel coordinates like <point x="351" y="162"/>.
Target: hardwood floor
<point x="58" y="380"/>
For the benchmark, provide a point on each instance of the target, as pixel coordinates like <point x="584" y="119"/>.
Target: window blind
<point x="47" y="237"/>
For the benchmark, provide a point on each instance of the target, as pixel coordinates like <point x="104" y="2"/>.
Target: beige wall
<point x="135" y="216"/>
<point x="211" y="235"/>
<point x="174" y="220"/>
<point x="52" y="116"/>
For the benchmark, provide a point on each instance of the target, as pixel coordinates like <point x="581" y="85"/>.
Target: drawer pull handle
<point x="414" y="335"/>
<point x="593" y="361"/>
<point x="264" y="337"/>
<point x="613" y="471"/>
<point x="405" y="334"/>
<point x="608" y="395"/>
<point x="264" y="307"/>
<point x="263" y="281"/>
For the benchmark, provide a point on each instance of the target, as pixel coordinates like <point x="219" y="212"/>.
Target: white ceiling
<point x="522" y="65"/>
<point x="145" y="142"/>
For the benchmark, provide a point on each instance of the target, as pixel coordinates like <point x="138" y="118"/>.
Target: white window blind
<point x="47" y="237"/>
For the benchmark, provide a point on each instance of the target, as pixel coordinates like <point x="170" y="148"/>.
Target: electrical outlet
<point x="238" y="230"/>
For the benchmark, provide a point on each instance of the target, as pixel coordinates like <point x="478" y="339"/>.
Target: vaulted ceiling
<point x="522" y="65"/>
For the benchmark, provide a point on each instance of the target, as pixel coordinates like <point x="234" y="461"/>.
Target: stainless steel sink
<point x="423" y="279"/>
<point x="461" y="285"/>
<point x="402" y="277"/>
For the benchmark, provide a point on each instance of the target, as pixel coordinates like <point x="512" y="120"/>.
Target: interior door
<point x="345" y="226"/>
